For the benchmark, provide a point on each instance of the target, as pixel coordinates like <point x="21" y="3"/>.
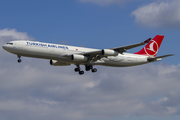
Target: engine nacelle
<point x="79" y="58"/>
<point x="108" y="52"/>
<point x="58" y="63"/>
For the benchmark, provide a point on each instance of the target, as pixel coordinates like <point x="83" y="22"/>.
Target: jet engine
<point x="76" y="57"/>
<point x="58" y="63"/>
<point x="108" y="52"/>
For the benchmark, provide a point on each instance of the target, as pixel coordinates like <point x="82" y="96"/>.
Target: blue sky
<point x="42" y="91"/>
<point x="80" y="23"/>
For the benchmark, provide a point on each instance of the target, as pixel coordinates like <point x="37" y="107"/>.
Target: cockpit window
<point x="10" y="43"/>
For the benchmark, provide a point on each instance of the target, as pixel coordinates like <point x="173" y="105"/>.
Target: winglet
<point x="148" y="40"/>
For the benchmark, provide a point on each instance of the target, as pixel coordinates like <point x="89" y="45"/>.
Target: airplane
<point x="65" y="55"/>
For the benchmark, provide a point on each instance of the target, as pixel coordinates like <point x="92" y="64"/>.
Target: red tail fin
<point x="152" y="47"/>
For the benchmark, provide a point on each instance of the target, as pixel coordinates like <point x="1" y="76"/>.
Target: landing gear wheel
<point x="88" y="68"/>
<point x="81" y="72"/>
<point x="94" y="70"/>
<point x="19" y="60"/>
<point x="76" y="69"/>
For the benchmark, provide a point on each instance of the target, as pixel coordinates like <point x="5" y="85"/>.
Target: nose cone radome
<point x="4" y="47"/>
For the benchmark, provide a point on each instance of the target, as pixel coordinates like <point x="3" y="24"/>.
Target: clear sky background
<point x="35" y="90"/>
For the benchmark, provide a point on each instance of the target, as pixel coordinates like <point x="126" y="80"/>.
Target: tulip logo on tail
<point x="152" y="49"/>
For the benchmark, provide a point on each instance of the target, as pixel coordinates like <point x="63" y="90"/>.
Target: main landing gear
<point x="90" y="67"/>
<point x="78" y="69"/>
<point x="87" y="67"/>
<point x="19" y="60"/>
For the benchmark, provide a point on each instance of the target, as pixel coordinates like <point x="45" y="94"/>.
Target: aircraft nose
<point x="4" y="47"/>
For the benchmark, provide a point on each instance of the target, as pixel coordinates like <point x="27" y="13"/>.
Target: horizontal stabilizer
<point x="158" y="58"/>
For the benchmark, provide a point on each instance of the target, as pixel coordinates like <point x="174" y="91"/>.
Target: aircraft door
<point x="20" y="45"/>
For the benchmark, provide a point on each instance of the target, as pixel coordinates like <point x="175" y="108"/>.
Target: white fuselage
<point x="59" y="52"/>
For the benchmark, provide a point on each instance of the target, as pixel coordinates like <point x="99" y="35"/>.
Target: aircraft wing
<point x="96" y="55"/>
<point x="120" y="49"/>
<point x="125" y="48"/>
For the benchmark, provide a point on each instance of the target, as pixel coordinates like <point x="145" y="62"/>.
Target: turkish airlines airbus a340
<point x="64" y="55"/>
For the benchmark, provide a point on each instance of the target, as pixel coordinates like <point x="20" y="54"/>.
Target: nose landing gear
<point x="19" y="60"/>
